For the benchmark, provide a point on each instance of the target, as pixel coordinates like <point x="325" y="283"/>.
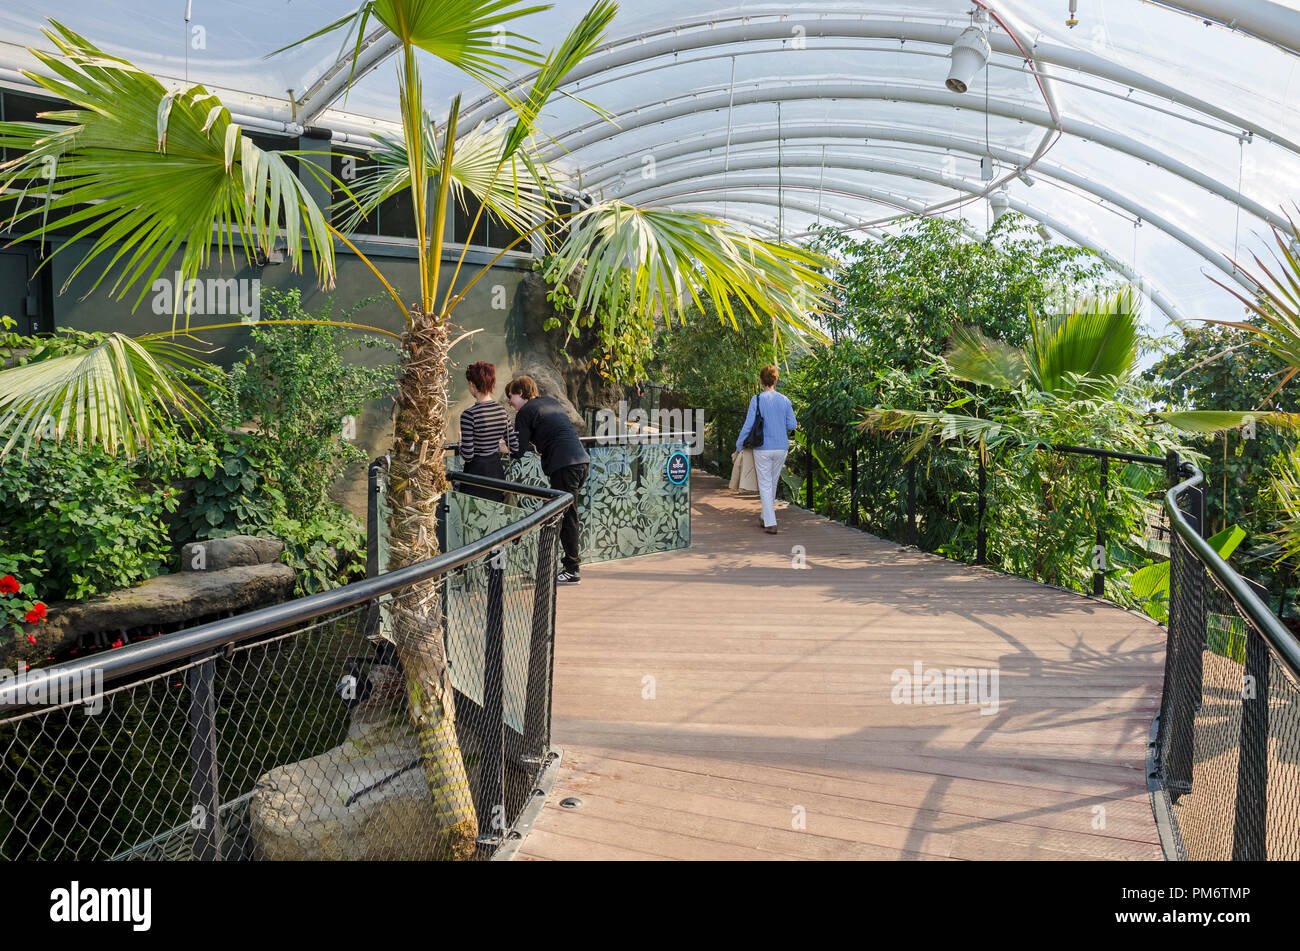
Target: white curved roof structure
<point x="1159" y="134"/>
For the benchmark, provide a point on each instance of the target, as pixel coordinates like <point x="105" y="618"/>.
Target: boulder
<point x="168" y="601"/>
<point x="236" y="551"/>
<point x="366" y="799"/>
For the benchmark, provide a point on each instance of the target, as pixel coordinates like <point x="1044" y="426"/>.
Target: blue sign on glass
<point x="679" y="468"/>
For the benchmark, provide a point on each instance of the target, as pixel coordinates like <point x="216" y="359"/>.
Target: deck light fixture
<point x="970" y="53"/>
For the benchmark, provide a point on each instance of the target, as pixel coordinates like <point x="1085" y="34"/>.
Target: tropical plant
<point x="146" y="171"/>
<point x="293" y="390"/>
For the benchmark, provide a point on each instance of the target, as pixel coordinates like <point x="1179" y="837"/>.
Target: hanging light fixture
<point x="969" y="54"/>
<point x="999" y="203"/>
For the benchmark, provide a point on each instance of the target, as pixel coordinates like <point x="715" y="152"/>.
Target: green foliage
<point x="98" y="524"/>
<point x="1149" y="585"/>
<point x="291" y="392"/>
<point x="901" y="298"/>
<point x="1214" y="366"/>
<point x="623" y="338"/>
<point x="709" y="364"/>
<point x="19" y="350"/>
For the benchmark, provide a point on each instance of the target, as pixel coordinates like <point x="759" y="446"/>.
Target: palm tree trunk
<point x="417" y="481"/>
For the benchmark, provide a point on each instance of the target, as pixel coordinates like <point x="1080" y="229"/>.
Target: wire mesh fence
<point x="402" y="717"/>
<point x="1228" y="742"/>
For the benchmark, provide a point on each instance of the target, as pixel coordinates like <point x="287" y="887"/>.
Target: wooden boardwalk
<point x="720" y="703"/>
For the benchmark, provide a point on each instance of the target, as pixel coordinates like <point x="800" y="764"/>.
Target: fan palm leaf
<point x="1093" y="347"/>
<point x="144" y="173"/>
<point x="467" y="34"/>
<point x="112" y="395"/>
<point x="675" y="257"/>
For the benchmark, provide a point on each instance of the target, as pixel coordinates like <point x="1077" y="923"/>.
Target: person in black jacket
<point x="541" y="421"/>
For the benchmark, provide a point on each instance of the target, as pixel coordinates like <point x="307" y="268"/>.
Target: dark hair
<point x="768" y="375"/>
<point x="483" y="375"/>
<point x="524" y="386"/>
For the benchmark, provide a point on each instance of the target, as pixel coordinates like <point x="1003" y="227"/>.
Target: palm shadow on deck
<point x="783" y="676"/>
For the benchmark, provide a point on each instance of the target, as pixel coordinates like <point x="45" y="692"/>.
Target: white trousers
<point x="768" y="464"/>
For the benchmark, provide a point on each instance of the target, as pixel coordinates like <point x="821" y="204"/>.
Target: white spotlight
<point x="969" y="54"/>
<point x="999" y="202"/>
<point x="1024" y="177"/>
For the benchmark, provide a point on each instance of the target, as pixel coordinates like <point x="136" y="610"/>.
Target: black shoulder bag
<point x="755" y="437"/>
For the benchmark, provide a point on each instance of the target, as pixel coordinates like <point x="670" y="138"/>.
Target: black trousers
<point x="570" y="479"/>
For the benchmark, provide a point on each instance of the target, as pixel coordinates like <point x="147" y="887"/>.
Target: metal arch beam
<point x="695" y="170"/>
<point x="951" y="143"/>
<point x="703" y="34"/>
<point x="588" y="134"/>
<point x="1270" y="22"/>
<point x="1167" y="307"/>
<point x="334" y="82"/>
<point x="808" y="208"/>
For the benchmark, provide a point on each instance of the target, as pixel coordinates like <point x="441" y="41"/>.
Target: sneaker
<point x="567" y="577"/>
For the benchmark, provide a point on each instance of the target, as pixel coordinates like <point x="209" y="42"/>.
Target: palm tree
<point x="145" y="172"/>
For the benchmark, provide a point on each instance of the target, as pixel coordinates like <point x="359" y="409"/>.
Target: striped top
<point x="482" y="426"/>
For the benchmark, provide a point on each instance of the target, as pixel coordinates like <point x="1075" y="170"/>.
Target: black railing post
<point x="911" y="502"/>
<point x="808" y="482"/>
<point x="853" y="481"/>
<point x="374" y="485"/>
<point x="205" y="796"/>
<point x="1183" y="655"/>
<point x="1250" y="822"/>
<point x="981" y="537"/>
<point x="1099" y="574"/>
<point x="541" y="644"/>
<point x="492" y="770"/>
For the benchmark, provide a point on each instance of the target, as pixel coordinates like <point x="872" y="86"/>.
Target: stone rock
<point x="562" y="369"/>
<point x="165" y="601"/>
<point x="366" y="799"/>
<point x="235" y="551"/>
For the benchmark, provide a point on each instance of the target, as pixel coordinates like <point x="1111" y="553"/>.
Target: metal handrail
<point x="637" y="438"/>
<point x="196" y="642"/>
<point x="1280" y="640"/>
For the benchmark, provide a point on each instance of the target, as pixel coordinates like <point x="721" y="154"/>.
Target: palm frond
<point x="975" y="358"/>
<point x="1208" y="421"/>
<point x="673" y="258"/>
<point x="113" y="395"/>
<point x="143" y="173"/>
<point x="515" y="190"/>
<point x="468" y="34"/>
<point x="1275" y="301"/>
<point x="1091" y="349"/>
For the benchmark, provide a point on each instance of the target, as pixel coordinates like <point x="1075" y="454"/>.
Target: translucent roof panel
<point x="1157" y="133"/>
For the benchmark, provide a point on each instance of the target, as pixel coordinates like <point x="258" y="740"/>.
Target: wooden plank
<point x="772" y="689"/>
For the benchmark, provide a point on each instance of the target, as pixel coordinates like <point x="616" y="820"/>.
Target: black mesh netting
<point x="1229" y="739"/>
<point x="412" y="728"/>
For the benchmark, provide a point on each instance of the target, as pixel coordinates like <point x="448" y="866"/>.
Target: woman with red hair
<point x="484" y="430"/>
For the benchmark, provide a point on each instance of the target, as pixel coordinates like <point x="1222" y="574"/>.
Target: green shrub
<point x="291" y="391"/>
<point x="98" y="522"/>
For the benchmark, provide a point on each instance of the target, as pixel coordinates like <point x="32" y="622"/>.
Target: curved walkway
<point x="721" y="703"/>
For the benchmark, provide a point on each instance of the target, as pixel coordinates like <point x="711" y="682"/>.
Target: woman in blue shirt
<point x="769" y="456"/>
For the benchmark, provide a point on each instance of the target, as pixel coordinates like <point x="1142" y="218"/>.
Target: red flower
<point x="8" y="585"/>
<point x="118" y="642"/>
<point x="31" y="638"/>
<point x="36" y="614"/>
